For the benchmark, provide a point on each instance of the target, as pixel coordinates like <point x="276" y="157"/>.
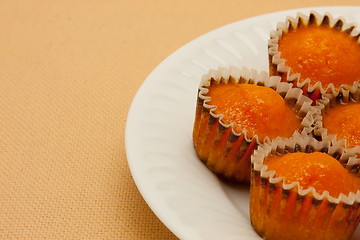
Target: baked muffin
<point x="315" y="52"/>
<point x="237" y="110"/>
<point x="304" y="189"/>
<point x="338" y="118"/>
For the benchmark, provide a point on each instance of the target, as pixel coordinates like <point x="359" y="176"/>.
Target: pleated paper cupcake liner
<point x="286" y="211"/>
<point x="226" y="152"/>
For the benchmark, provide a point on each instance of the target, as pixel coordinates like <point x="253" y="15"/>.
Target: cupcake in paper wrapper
<point x="226" y="146"/>
<point x="337" y="118"/>
<point x="318" y="53"/>
<point x="281" y="210"/>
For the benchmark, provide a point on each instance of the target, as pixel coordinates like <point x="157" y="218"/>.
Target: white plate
<point x="185" y="196"/>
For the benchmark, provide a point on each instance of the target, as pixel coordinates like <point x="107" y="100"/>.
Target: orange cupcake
<point x="317" y="53"/>
<point x="300" y="189"/>
<point x="338" y="118"/>
<point x="237" y="110"/>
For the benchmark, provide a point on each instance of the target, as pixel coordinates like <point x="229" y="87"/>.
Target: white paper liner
<point x="247" y="76"/>
<point x="303" y="20"/>
<point x="301" y="142"/>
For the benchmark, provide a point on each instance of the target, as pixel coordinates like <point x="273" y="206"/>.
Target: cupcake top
<point x="318" y="170"/>
<point x="258" y="109"/>
<point x="315" y="52"/>
<point x="344" y="121"/>
<point x="322" y="54"/>
<point x="337" y="118"/>
<point x="252" y="104"/>
<point x="323" y="169"/>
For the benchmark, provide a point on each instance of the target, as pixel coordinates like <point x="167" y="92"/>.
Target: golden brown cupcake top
<point x="318" y="170"/>
<point x="260" y="110"/>
<point x="344" y="121"/>
<point x="321" y="53"/>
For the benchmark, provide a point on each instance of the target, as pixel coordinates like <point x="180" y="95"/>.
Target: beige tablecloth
<point x="68" y="73"/>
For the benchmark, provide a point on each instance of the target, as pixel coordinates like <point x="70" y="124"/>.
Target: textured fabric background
<point x="68" y="73"/>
